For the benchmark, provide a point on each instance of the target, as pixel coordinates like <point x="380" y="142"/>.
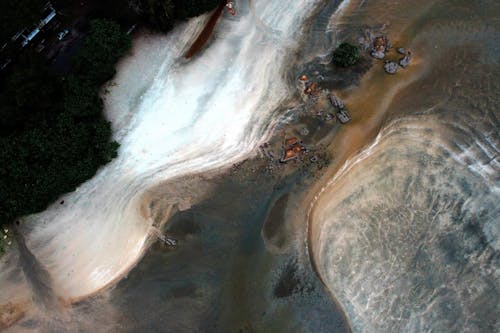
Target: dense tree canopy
<point x="191" y="8"/>
<point x="53" y="135"/>
<point x="346" y="55"/>
<point x="163" y="13"/>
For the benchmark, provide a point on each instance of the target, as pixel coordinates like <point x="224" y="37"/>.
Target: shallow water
<point x="406" y="234"/>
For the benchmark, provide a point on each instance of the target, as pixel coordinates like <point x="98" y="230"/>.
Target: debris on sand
<point x="401" y="50"/>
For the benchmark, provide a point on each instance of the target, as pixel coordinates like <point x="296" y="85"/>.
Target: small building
<point x="48" y="14"/>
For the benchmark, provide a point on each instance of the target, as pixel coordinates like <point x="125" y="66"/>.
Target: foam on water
<point x="172" y="118"/>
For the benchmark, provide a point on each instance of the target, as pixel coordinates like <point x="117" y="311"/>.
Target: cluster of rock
<point x="342" y="114"/>
<point x="380" y="45"/>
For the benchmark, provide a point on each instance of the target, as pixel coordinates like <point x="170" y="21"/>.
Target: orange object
<point x="311" y="88"/>
<point x="379" y="43"/>
<point x="290" y="153"/>
<point x="291" y="141"/>
<point x="303" y="78"/>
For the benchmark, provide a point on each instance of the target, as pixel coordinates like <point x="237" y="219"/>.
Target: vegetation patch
<point x="53" y="134"/>
<point x="346" y="55"/>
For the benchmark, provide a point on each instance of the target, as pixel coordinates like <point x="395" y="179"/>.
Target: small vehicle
<point x="62" y="34"/>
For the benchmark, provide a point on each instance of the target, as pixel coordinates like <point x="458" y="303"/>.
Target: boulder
<point x="377" y="54"/>
<point x="336" y="102"/>
<point x="404" y="62"/>
<point x="391" y="67"/>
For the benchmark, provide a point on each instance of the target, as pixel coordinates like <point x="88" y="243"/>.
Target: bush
<point x="346" y="55"/>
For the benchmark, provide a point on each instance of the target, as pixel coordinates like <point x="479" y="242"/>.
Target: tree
<point x="190" y="8"/>
<point x="60" y="137"/>
<point x="160" y="13"/>
<point x="346" y="55"/>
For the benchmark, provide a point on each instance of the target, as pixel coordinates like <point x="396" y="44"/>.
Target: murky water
<point x="406" y="235"/>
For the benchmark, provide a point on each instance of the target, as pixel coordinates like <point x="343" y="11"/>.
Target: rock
<point x="336" y="102"/>
<point x="391" y="67"/>
<point x="344" y="116"/>
<point x="404" y="62"/>
<point x="377" y="54"/>
<point x="329" y="116"/>
<point x="401" y="50"/>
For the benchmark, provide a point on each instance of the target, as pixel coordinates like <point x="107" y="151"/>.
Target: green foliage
<point x="53" y="135"/>
<point x="100" y="52"/>
<point x="346" y="55"/>
<point x="160" y="13"/>
<point x="191" y="8"/>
